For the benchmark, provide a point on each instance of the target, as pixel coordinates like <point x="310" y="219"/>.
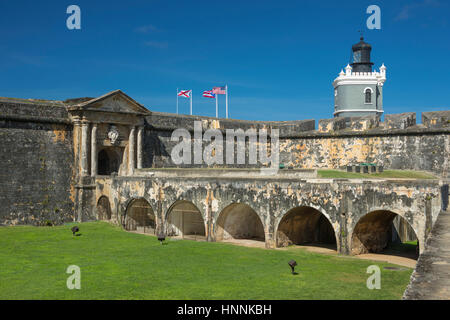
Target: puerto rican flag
<point x="209" y="94"/>
<point x="185" y="93"/>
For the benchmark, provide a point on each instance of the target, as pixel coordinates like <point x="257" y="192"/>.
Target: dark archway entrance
<point x="108" y="162"/>
<point x="140" y="217"/>
<point x="185" y="220"/>
<point x="376" y="232"/>
<point x="103" y="209"/>
<point x="239" y="221"/>
<point x="305" y="225"/>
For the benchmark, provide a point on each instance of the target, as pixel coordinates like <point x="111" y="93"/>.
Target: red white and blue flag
<point x="209" y="94"/>
<point x="185" y="93"/>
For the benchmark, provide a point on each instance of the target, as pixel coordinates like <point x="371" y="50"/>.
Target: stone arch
<point x="183" y="218"/>
<point x="108" y="161"/>
<point x="139" y="216"/>
<point x="373" y="232"/>
<point x="305" y="224"/>
<point x="239" y="221"/>
<point x="103" y="208"/>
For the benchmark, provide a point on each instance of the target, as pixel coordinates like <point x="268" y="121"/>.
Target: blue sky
<point x="279" y="58"/>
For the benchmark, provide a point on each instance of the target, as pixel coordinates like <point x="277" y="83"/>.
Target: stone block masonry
<point x="436" y="119"/>
<point x="53" y="152"/>
<point x="234" y="207"/>
<point x="36" y="159"/>
<point x="397" y="144"/>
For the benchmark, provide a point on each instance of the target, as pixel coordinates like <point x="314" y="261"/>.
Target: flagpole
<point x="191" y="101"/>
<point x="177" y="100"/>
<point x="217" y="107"/>
<point x="226" y="100"/>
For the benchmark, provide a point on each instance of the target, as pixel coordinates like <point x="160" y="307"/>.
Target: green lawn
<point x="403" y="174"/>
<point x="405" y="248"/>
<point x="119" y="265"/>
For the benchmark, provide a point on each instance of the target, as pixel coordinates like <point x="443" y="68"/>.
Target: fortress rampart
<point x="397" y="143"/>
<point x="41" y="154"/>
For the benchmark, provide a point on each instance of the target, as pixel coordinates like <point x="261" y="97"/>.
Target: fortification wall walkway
<point x="431" y="278"/>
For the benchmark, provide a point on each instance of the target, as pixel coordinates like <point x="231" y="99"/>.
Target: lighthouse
<point x="359" y="90"/>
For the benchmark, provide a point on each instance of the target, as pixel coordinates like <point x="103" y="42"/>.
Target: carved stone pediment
<point x="112" y="102"/>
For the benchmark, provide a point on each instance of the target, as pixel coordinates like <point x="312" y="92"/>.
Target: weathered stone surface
<point x="33" y="110"/>
<point x="363" y="123"/>
<point x="167" y="121"/>
<point x="36" y="183"/>
<point x="342" y="202"/>
<point x="46" y="127"/>
<point x="417" y="151"/>
<point x="334" y="124"/>
<point x="400" y="121"/>
<point x="413" y="149"/>
<point x="431" y="277"/>
<point x="436" y="119"/>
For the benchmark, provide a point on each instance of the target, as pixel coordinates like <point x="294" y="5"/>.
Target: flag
<point x="209" y="94"/>
<point x="219" y="90"/>
<point x="185" y="93"/>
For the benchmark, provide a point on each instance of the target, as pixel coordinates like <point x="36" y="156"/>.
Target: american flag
<point x="184" y="93"/>
<point x="209" y="94"/>
<point x="219" y="90"/>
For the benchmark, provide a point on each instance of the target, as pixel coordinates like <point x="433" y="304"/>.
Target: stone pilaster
<point x="140" y="141"/>
<point x="84" y="148"/>
<point x="76" y="143"/>
<point x="208" y="230"/>
<point x="131" y="151"/>
<point x="94" y="150"/>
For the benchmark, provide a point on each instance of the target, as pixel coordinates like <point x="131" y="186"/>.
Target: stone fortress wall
<point x="396" y="143"/>
<point x="39" y="146"/>
<point x="36" y="162"/>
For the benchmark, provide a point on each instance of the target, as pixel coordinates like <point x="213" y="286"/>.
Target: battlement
<point x="393" y="123"/>
<point x="33" y="110"/>
<point x="436" y="119"/>
<point x="362" y="74"/>
<point x="397" y="122"/>
<point x="56" y="111"/>
<point x="350" y="77"/>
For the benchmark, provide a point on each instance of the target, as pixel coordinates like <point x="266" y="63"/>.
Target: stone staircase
<point x="431" y="278"/>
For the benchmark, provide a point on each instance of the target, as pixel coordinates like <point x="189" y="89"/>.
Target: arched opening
<point x="103" y="209"/>
<point x="384" y="231"/>
<point x="368" y="96"/>
<point x="140" y="217"/>
<point x="305" y="226"/>
<point x="108" y="162"/>
<point x="239" y="221"/>
<point x="185" y="220"/>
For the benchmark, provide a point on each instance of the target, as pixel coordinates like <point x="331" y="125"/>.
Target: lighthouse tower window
<point x="368" y="95"/>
